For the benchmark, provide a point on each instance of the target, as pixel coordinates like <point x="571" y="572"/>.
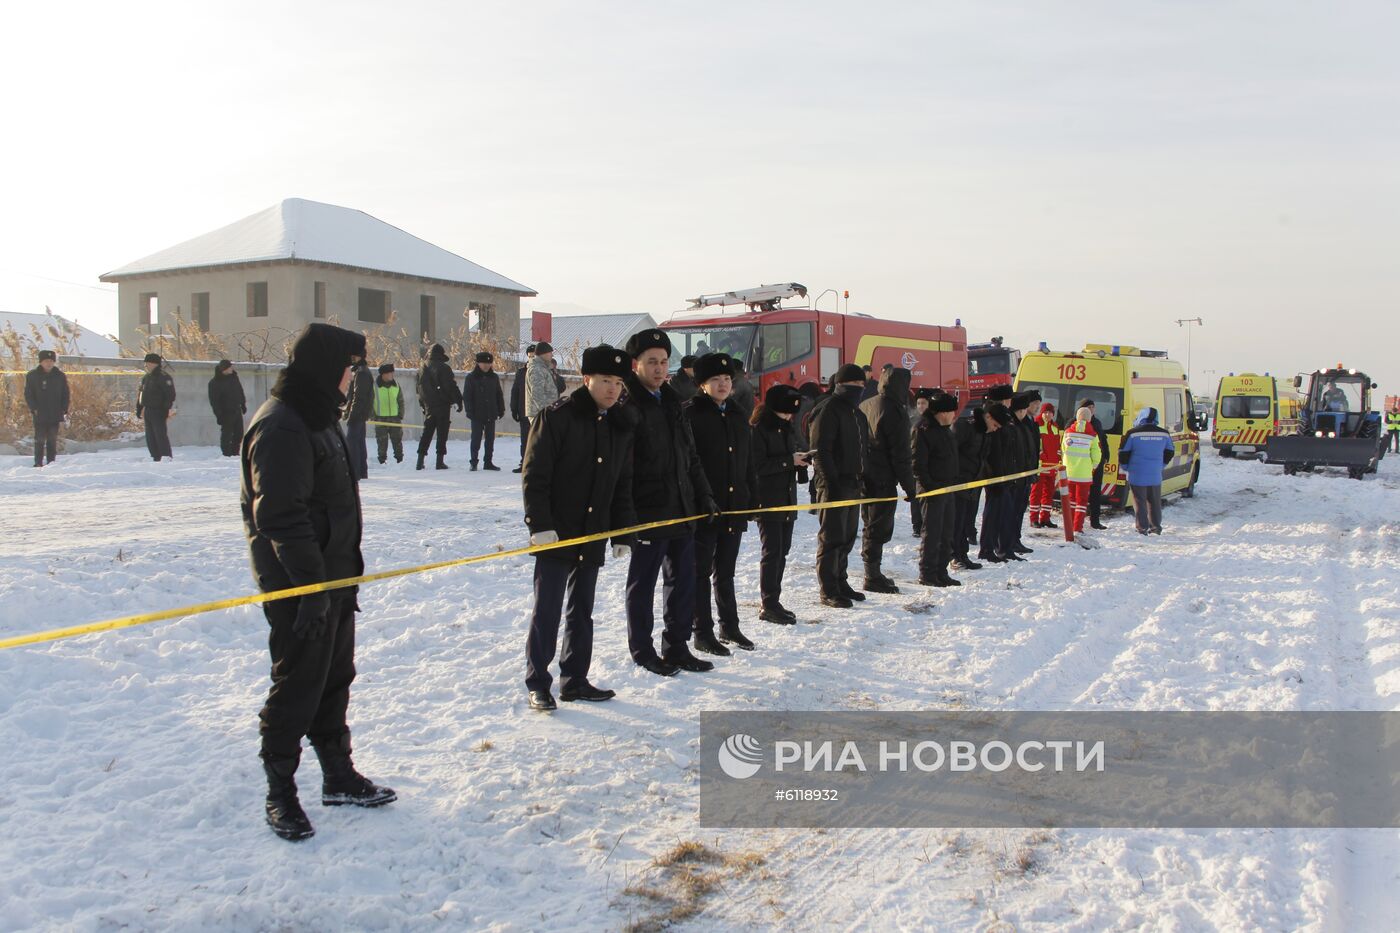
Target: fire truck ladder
<point x="763" y="298"/>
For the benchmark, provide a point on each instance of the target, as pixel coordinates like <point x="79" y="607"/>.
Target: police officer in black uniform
<point x="667" y="483"/>
<point x="721" y="431"/>
<point x="936" y="466"/>
<point x="971" y="436"/>
<point x="301" y="512"/>
<point x="1027" y="434"/>
<point x="888" y="464"/>
<point x="577" y="481"/>
<point x="155" y="402"/>
<point x="840" y="438"/>
<point x="1003" y="457"/>
<point x="780" y="463"/>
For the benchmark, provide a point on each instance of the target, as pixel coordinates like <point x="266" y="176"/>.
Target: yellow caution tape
<point x="307" y="589"/>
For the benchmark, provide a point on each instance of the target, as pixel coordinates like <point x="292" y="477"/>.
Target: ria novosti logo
<point x="741" y="756"/>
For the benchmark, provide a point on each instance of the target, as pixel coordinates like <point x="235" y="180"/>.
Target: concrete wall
<point x="194" y="424"/>
<point x="291" y="300"/>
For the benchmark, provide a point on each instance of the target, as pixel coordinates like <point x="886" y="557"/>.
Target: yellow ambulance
<point x="1250" y="409"/>
<point x="1121" y="381"/>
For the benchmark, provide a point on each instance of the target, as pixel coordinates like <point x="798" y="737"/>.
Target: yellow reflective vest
<point x="1079" y="452"/>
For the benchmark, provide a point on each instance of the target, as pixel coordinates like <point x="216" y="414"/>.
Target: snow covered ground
<point x="131" y="791"/>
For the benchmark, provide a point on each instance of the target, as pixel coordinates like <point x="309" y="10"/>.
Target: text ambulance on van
<point x="1121" y="381"/>
<point x="1250" y="409"/>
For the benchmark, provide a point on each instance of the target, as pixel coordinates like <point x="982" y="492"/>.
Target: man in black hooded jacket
<point x="841" y="440"/>
<point x="301" y="512"/>
<point x="229" y="405"/>
<point x="888" y="468"/>
<point x="437" y="393"/>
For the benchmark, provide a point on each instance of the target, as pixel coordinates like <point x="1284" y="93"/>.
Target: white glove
<point x="544" y="537"/>
<point x="621" y="551"/>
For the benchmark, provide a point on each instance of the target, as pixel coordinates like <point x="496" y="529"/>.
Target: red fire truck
<point x="990" y="364"/>
<point x="798" y="345"/>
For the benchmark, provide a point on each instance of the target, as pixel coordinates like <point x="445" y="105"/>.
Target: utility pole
<point x="1186" y="322"/>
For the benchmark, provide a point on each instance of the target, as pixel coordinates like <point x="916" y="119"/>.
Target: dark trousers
<point x="1096" y="495"/>
<point x="567" y="586"/>
<point x="230" y="434"/>
<point x="936" y="544"/>
<point x="435" y="423"/>
<point x="157" y="434"/>
<point x="384" y="435"/>
<point x="1395" y="441"/>
<point x="994" y="515"/>
<point x="674" y="560"/>
<point x="716" y="556"/>
<point x="964" y="521"/>
<point x="879" y="529"/>
<point x="1023" y="504"/>
<point x="834" y="542"/>
<point x="480" y="428"/>
<point x="916" y="517"/>
<point x="310" y="678"/>
<point x="776" y="537"/>
<point x="524" y="436"/>
<point x="355" y="443"/>
<point x="1147" y="507"/>
<point x="45" y="442"/>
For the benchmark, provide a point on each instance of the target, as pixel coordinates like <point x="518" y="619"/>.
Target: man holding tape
<point x="577" y="481"/>
<point x="301" y="512"/>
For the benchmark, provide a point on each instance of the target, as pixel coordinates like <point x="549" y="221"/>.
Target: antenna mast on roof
<point x="763" y="298"/>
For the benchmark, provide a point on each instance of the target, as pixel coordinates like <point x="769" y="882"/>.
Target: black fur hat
<point x="711" y="365"/>
<point x="604" y="360"/>
<point x="645" y="340"/>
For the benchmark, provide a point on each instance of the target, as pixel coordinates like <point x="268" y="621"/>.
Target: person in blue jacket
<point x="1146" y="449"/>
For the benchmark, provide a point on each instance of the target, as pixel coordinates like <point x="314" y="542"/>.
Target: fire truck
<point x="990" y="364"/>
<point x="796" y="345"/>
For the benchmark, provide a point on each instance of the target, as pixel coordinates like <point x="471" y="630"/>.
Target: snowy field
<point x="131" y="791"/>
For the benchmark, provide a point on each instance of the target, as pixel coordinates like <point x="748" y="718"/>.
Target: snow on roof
<point x="316" y="232"/>
<point x="590" y="330"/>
<point x="88" y="342"/>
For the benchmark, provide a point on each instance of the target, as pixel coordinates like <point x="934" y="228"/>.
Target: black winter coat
<point x="437" y="386"/>
<point x="1003" y="454"/>
<point x="359" y="403"/>
<point x="517" y="395"/>
<point x="890" y="460"/>
<point x="971" y="437"/>
<point x="226" y="398"/>
<point x="577" y="477"/>
<point x="157" y="393"/>
<point x="725" y="448"/>
<point x="774" y="443"/>
<point x="667" y="479"/>
<point x="482" y="396"/>
<point x="46" y="395"/>
<point x="935" y="455"/>
<point x="1029" y="434"/>
<point x="301" y="504"/>
<point x="684" y="385"/>
<point x="840" y="437"/>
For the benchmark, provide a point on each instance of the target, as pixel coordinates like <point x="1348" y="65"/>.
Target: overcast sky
<point x="1059" y="171"/>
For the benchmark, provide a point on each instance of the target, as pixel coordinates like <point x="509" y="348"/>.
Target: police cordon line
<point x="658" y="471"/>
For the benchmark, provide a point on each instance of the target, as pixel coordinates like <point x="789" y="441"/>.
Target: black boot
<point x="877" y="582"/>
<point x="441" y="463"/>
<point x="488" y="465"/>
<point x="705" y="642"/>
<point x="284" y="812"/>
<point x="341" y="783"/>
<point x="472" y="466"/>
<point x="777" y="614"/>
<point x="730" y="635"/>
<point x="421" y="457"/>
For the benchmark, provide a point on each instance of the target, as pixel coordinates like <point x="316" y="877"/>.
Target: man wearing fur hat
<point x="722" y="439"/>
<point x="577" y="481"/>
<point x="229" y="405"/>
<point x="780" y="463"/>
<point x="1003" y="456"/>
<point x="485" y="404"/>
<point x="301" y="512"/>
<point x="935" y="467"/>
<point x="46" y="397"/>
<point x="155" y="405"/>
<point x="888" y="469"/>
<point x="668" y="483"/>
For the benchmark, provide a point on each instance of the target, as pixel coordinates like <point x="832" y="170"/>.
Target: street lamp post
<point x="1186" y="322"/>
